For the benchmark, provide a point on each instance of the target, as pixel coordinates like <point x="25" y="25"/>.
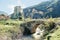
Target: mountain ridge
<point x="2" y="12"/>
<point x="50" y="8"/>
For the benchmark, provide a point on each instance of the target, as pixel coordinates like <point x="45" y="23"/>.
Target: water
<point x="26" y="38"/>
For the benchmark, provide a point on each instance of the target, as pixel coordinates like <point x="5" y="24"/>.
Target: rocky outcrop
<point x="30" y="27"/>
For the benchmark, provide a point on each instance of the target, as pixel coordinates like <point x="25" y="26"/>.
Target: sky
<point x="8" y="5"/>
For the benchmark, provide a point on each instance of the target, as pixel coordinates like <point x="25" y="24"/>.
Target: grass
<point x="13" y="26"/>
<point x="56" y="34"/>
<point x="10" y="26"/>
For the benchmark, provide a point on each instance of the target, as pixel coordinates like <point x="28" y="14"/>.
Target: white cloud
<point x="11" y="8"/>
<point x="21" y="4"/>
<point x="18" y="3"/>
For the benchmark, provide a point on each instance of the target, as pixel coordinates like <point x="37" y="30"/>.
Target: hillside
<point x="2" y="12"/>
<point x="48" y="9"/>
<point x="11" y="29"/>
<point x="45" y="9"/>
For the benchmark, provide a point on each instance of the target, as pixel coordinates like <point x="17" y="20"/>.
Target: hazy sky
<point x="8" y="5"/>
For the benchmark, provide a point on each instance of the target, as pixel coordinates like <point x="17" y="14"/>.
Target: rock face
<point x="38" y="29"/>
<point x="30" y="27"/>
<point x="38" y="35"/>
<point x="18" y="13"/>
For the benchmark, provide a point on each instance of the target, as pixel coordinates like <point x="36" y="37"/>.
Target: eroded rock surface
<point x="44" y="28"/>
